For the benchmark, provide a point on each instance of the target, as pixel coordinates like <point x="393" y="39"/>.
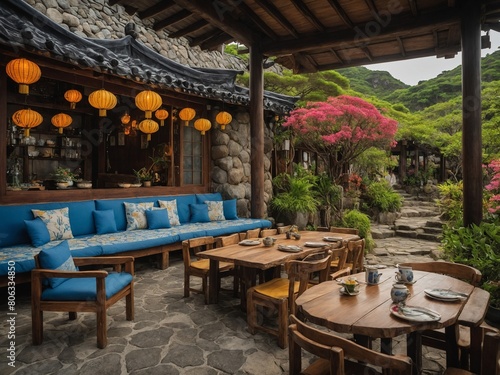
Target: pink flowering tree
<point x="493" y="187"/>
<point x="340" y="129"/>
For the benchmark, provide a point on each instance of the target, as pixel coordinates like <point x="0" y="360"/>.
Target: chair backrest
<point x="232" y="239"/>
<point x="456" y="270"/>
<point x="253" y="233"/>
<point x="301" y="270"/>
<point x="197" y="244"/>
<point x="356" y="254"/>
<point x="268" y="232"/>
<point x="334" y="350"/>
<point x="340" y="253"/>
<point x="344" y="230"/>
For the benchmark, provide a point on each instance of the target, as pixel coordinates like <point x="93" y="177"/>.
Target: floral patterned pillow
<point x="57" y="222"/>
<point x="215" y="210"/>
<point x="173" y="215"/>
<point x="136" y="214"/>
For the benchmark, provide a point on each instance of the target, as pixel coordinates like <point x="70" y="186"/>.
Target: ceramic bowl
<point x="50" y="142"/>
<point x="62" y="185"/>
<point x="33" y="153"/>
<point x="124" y="185"/>
<point x="136" y="185"/>
<point x="84" y="185"/>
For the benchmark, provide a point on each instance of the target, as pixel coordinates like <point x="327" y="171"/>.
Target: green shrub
<point x="296" y="195"/>
<point x="382" y="197"/>
<point x="450" y="202"/>
<point x="357" y="219"/>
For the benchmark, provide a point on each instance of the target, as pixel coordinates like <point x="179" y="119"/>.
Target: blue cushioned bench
<point x="16" y="244"/>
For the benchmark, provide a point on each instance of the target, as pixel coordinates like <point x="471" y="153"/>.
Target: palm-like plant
<point x="297" y="195"/>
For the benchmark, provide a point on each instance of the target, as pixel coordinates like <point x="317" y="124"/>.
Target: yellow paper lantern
<point x="27" y="119"/>
<point x="202" y="125"/>
<point x="187" y="114"/>
<point x="148" y="126"/>
<point x="102" y="100"/>
<point x="73" y="97"/>
<point x="148" y="101"/>
<point x="223" y="118"/>
<point x="61" y="120"/>
<point x="24" y="72"/>
<point x="161" y="115"/>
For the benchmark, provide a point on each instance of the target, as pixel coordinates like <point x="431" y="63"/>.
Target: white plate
<point x="332" y="239"/>
<point x="344" y="292"/>
<point x="249" y="242"/>
<point x="445" y="294"/>
<point x="415" y="313"/>
<point x="315" y="244"/>
<point x="289" y="249"/>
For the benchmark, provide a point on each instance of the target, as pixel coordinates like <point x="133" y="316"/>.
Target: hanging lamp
<point x="125" y="119"/>
<point x="61" y="120"/>
<point x="103" y="100"/>
<point x="161" y="115"/>
<point x="202" y="125"/>
<point x="73" y="97"/>
<point x="23" y="72"/>
<point x="27" y="119"/>
<point x="186" y="115"/>
<point x="223" y="118"/>
<point x="148" y="126"/>
<point x="148" y="101"/>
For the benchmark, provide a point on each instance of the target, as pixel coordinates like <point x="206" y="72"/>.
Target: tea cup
<point x="269" y="241"/>
<point x="350" y="285"/>
<point x="404" y="274"/>
<point x="372" y="276"/>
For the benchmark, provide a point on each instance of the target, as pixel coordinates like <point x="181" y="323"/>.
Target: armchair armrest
<point x="102" y="261"/>
<point x="41" y="273"/>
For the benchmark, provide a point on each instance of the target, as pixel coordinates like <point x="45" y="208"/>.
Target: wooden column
<point x="3" y="133"/>
<point x="257" y="132"/>
<point x="471" y="112"/>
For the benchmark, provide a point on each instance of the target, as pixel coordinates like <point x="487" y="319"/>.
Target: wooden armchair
<point x="356" y="255"/>
<point x="280" y="293"/>
<point x="201" y="267"/>
<point x="337" y="355"/>
<point x="79" y="293"/>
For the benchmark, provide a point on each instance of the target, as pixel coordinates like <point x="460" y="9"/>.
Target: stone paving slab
<point x="170" y="334"/>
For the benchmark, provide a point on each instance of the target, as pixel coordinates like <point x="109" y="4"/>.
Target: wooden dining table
<point x="367" y="315"/>
<point x="249" y="259"/>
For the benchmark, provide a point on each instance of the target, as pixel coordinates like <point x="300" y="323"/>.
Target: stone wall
<point x="231" y="157"/>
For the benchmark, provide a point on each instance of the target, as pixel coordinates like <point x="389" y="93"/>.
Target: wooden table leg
<point x="247" y="280"/>
<point x="213" y="276"/>
<point x="451" y="347"/>
<point x="414" y="350"/>
<point x="476" y="339"/>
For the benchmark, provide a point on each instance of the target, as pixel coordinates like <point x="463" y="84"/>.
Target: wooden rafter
<point x="374" y="11"/>
<point x="179" y="16"/>
<point x="302" y="60"/>
<point x="257" y="21"/>
<point x="156" y="9"/>
<point x="213" y="33"/>
<point x="334" y="53"/>
<point x="401" y="46"/>
<point x="190" y="29"/>
<point x="413" y="7"/>
<point x="276" y="14"/>
<point x="216" y="41"/>
<point x="341" y="12"/>
<point x="306" y="12"/>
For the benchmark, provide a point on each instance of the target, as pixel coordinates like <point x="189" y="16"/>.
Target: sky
<point x="415" y="70"/>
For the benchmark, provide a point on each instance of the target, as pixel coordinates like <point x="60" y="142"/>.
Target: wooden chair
<point x="268" y="232"/>
<point x="490" y="358"/>
<point x="336" y="354"/>
<point x="82" y="298"/>
<point x="280" y="293"/>
<point x="232" y="239"/>
<point x="356" y="255"/>
<point x="253" y="233"/>
<point x="338" y="264"/>
<point x="437" y="338"/>
<point x="283" y="229"/>
<point x="200" y="268"/>
<point x="344" y="230"/>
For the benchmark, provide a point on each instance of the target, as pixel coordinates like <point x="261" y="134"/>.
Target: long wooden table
<point x="368" y="314"/>
<point x="259" y="257"/>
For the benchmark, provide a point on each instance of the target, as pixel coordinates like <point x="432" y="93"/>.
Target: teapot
<point x="269" y="241"/>
<point x="372" y="276"/>
<point x="399" y="293"/>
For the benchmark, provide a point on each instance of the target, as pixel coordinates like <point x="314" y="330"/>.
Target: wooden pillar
<point x="3" y="133"/>
<point x="257" y="132"/>
<point x="402" y="162"/>
<point x="471" y="112"/>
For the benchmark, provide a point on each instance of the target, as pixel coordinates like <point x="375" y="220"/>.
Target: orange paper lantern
<point x="186" y="115"/>
<point x="161" y="115"/>
<point x="73" y="97"/>
<point x="61" y="120"/>
<point x="202" y="125"/>
<point x="102" y="100"/>
<point x="24" y="72"/>
<point x="27" y="119"/>
<point x="148" y="101"/>
<point x="223" y="118"/>
<point x="148" y="126"/>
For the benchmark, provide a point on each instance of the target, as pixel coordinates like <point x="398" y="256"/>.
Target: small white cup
<point x="404" y="274"/>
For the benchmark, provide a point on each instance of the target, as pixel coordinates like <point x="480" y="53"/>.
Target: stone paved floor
<point x="170" y="334"/>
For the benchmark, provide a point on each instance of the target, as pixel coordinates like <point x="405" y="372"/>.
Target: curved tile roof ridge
<point x="125" y="57"/>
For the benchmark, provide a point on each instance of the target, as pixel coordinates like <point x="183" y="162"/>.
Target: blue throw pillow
<point x="104" y="221"/>
<point x="57" y="258"/>
<point x="38" y="232"/>
<point x="157" y="218"/>
<point x="230" y="211"/>
<point x="199" y="213"/>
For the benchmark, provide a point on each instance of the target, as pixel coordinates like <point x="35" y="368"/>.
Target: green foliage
<point x="357" y="219"/>
<point x="477" y="246"/>
<point x="372" y="161"/>
<point x="232" y="49"/>
<point x="294" y="194"/>
<point x="450" y="202"/>
<point x="328" y="193"/>
<point x="382" y="197"/>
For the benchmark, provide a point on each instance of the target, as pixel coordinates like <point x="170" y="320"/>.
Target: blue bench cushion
<point x="183" y="202"/>
<point x="199" y="213"/>
<point x="84" y="289"/>
<point x="38" y="232"/>
<point x="230" y="209"/>
<point x="157" y="218"/>
<point x="104" y="221"/>
<point x="119" y="208"/>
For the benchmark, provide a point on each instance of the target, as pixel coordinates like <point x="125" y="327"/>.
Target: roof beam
<point x="401" y="46"/>
<point x="413" y="7"/>
<point x="341" y="12"/>
<point x="306" y="12"/>
<point x="156" y="9"/>
<point x="217" y="40"/>
<point x="204" y="37"/>
<point x="402" y="27"/>
<point x="220" y="18"/>
<point x="187" y="30"/>
<point x="375" y="13"/>
<point x="248" y="12"/>
<point x="179" y="16"/>
<point x="306" y="62"/>
<point x="278" y="16"/>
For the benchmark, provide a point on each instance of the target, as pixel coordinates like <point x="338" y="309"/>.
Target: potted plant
<point x="64" y="177"/>
<point x="144" y="175"/>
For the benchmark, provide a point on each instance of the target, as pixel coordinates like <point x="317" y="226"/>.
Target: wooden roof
<point x="315" y="35"/>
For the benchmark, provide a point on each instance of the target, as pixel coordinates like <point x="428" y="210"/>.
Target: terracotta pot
<point x="146" y="183"/>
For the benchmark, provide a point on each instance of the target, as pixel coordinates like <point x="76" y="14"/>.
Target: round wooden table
<point x="367" y="314"/>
